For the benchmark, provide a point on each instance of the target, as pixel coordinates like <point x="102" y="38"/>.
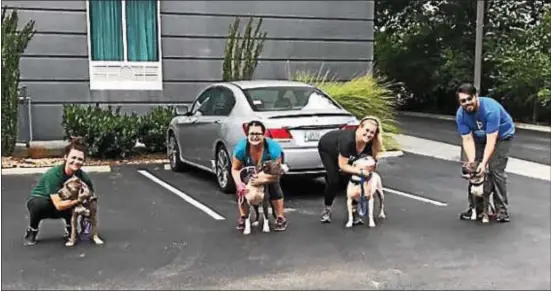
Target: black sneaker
<point x="326" y="215"/>
<point x="30" y="237"/>
<point x="241" y="223"/>
<point x="502" y="217"/>
<point x="280" y="224"/>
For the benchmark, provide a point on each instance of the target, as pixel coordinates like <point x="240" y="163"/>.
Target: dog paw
<point x="266" y="229"/>
<point x="485" y="219"/>
<point x="372" y="224"/>
<point x="97" y="240"/>
<point x="348" y="224"/>
<point x="382" y="215"/>
<point x="255" y="223"/>
<point x="70" y="243"/>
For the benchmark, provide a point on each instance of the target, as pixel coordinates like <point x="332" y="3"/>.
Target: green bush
<point x="362" y="96"/>
<point x="14" y="43"/>
<point x="152" y="128"/>
<point x="240" y="60"/>
<point x="108" y="133"/>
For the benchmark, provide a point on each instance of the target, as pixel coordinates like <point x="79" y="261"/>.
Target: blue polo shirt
<point x="490" y="117"/>
<point x="272" y="152"/>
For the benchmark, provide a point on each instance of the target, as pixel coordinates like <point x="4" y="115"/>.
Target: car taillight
<point x="348" y="126"/>
<point x="279" y="134"/>
<point x="276" y="134"/>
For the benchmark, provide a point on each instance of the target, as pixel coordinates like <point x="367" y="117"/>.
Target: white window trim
<point x="117" y="84"/>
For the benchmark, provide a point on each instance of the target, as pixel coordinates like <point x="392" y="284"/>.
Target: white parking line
<point x="411" y="196"/>
<point x="182" y="195"/>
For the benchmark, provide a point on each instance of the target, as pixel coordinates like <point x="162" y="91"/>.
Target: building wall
<point x="302" y="35"/>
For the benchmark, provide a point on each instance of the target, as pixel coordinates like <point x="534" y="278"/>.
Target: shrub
<point x="108" y="133"/>
<point x="362" y="96"/>
<point x="152" y="128"/>
<point x="240" y="61"/>
<point x="14" y="43"/>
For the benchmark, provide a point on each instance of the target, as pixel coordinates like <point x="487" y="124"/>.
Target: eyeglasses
<point x="464" y="100"/>
<point x="256" y="134"/>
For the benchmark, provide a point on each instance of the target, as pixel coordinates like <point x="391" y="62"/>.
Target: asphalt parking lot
<point x="154" y="239"/>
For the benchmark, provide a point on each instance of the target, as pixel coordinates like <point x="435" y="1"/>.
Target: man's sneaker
<point x="280" y="224"/>
<point x="502" y="217"/>
<point x="466" y="215"/>
<point x="241" y="223"/>
<point x="326" y="215"/>
<point x="30" y="237"/>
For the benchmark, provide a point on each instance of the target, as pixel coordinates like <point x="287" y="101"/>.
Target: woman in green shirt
<point x="44" y="201"/>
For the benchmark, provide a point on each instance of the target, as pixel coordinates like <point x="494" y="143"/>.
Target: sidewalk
<point x="452" y="153"/>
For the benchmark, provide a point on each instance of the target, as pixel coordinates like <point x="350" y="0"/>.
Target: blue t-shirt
<point x="490" y="117"/>
<point x="273" y="151"/>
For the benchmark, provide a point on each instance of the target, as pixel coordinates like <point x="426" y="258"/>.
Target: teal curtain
<point x="106" y="30"/>
<point x="141" y="30"/>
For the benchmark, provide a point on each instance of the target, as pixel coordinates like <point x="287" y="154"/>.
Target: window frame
<point x="127" y="84"/>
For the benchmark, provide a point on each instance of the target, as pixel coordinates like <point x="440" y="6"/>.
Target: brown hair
<point x="76" y="143"/>
<point x="377" y="141"/>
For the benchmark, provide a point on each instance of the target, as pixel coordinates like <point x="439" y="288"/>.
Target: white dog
<point x="372" y="185"/>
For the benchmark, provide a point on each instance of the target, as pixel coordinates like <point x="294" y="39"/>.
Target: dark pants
<point x="43" y="208"/>
<point x="497" y="174"/>
<point x="274" y="191"/>
<point x="335" y="181"/>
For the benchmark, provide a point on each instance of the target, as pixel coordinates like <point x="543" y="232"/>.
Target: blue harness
<point x="362" y="211"/>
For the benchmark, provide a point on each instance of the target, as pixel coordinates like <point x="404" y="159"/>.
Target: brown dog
<point x="75" y="189"/>
<point x="256" y="195"/>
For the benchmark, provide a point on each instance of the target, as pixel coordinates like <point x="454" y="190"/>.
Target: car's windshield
<point x="288" y="98"/>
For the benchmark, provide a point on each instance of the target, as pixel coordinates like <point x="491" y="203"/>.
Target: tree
<point x="14" y="43"/>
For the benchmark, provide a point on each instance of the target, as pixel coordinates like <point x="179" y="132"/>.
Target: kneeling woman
<point x="339" y="149"/>
<point x="253" y="151"/>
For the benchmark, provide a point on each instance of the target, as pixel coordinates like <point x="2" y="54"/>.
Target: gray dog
<point x="73" y="189"/>
<point x="480" y="188"/>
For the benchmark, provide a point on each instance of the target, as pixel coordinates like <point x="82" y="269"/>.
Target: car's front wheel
<point x="223" y="171"/>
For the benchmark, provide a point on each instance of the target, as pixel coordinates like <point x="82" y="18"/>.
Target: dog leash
<point x="363" y="201"/>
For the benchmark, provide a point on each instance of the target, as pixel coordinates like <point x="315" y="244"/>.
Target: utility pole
<point x="477" y="54"/>
<point x="478" y="46"/>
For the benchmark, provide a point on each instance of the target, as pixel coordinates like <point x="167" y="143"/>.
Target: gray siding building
<point x="58" y="68"/>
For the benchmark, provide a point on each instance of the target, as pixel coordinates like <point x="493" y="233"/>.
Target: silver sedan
<point x="295" y="114"/>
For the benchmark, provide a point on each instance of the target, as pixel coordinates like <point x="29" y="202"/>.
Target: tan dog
<point x="372" y="185"/>
<point x="256" y="195"/>
<point x="75" y="189"/>
<point x="479" y="187"/>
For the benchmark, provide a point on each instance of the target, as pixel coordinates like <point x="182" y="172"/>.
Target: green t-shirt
<point x="52" y="181"/>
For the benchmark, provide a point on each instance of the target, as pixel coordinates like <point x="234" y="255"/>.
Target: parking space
<point x="158" y="237"/>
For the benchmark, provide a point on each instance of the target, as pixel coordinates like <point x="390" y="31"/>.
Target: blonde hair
<point x="377" y="141"/>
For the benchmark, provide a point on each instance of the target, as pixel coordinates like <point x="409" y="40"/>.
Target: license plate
<point x="312" y="136"/>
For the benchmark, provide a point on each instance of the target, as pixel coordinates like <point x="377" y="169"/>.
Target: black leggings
<point x="335" y="181"/>
<point x="43" y="208"/>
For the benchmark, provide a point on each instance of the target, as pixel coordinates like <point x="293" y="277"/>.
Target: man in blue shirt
<point x="486" y="130"/>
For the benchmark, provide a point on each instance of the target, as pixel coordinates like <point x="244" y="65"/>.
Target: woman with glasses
<point x="339" y="149"/>
<point x="253" y="150"/>
<point x="44" y="201"/>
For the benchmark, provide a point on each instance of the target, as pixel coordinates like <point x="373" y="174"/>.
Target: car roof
<point x="247" y="84"/>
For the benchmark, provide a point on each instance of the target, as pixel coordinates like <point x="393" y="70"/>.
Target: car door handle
<point x="217" y="122"/>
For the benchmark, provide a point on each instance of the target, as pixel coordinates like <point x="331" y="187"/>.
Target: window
<point x="288" y="98"/>
<point x="215" y="101"/>
<point x="124" y="45"/>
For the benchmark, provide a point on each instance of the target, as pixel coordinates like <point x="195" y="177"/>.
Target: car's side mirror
<point x="181" y="110"/>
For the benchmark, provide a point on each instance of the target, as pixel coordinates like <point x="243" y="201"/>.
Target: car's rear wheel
<point x="223" y="170"/>
<point x="173" y="153"/>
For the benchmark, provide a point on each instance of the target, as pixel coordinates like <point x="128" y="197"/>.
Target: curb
<point x="384" y="155"/>
<point x="538" y="128"/>
<point x="41" y="170"/>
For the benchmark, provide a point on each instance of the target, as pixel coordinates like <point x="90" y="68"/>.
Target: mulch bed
<point x="13" y="162"/>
